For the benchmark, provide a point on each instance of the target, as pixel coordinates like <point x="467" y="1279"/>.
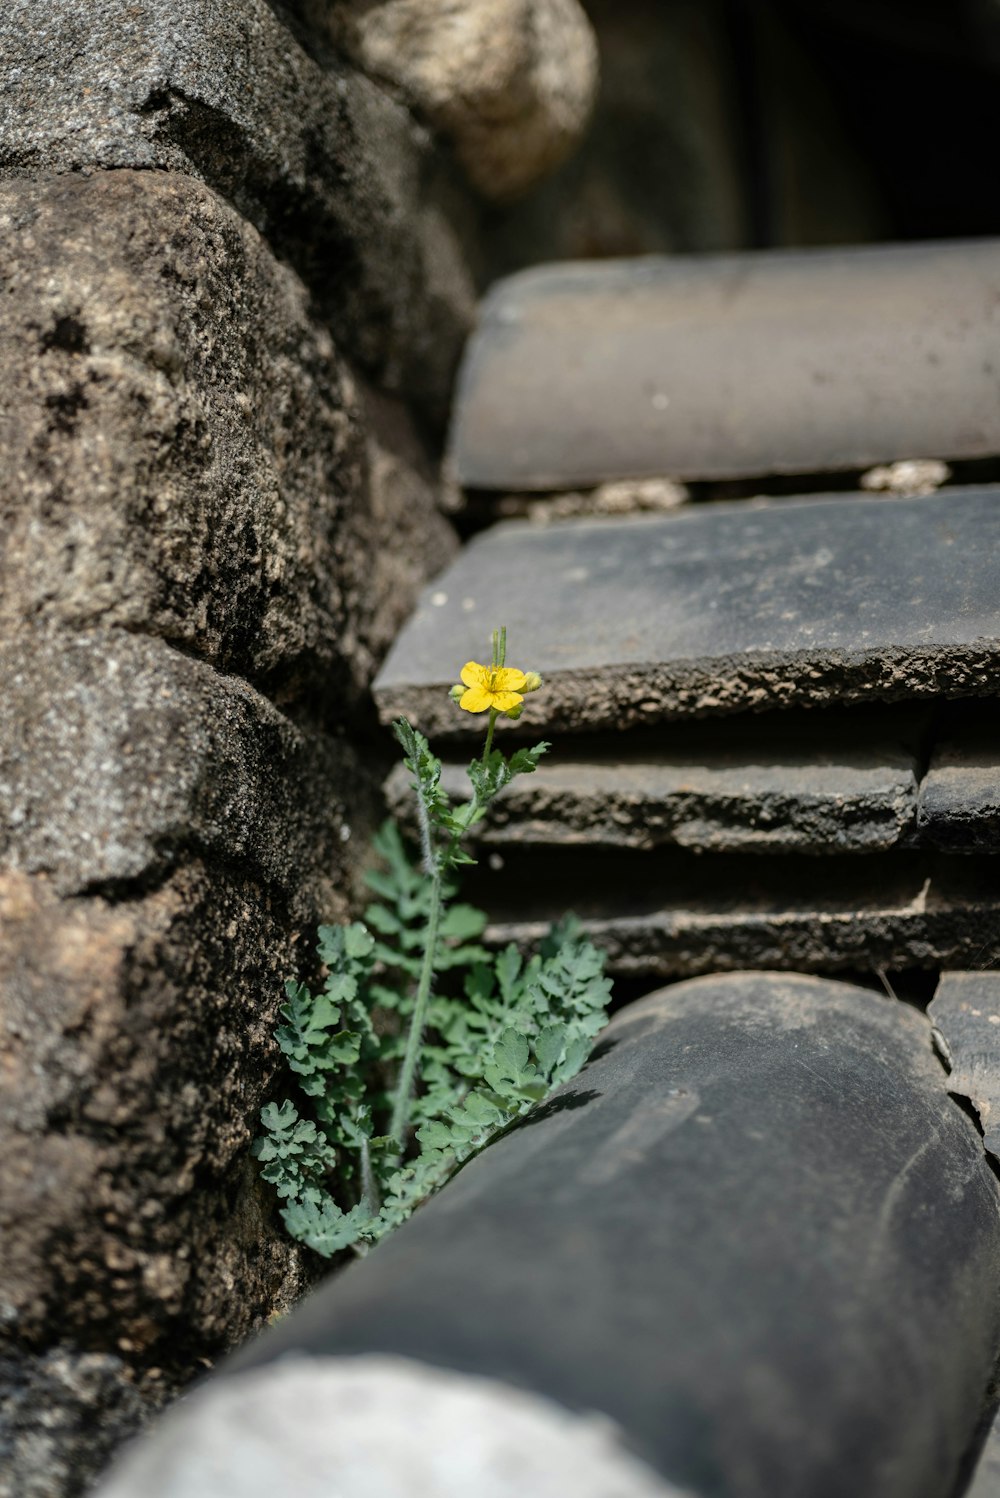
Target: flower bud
<point x="457" y="692"/>
<point x="514" y="712"/>
<point x="532" y="681"/>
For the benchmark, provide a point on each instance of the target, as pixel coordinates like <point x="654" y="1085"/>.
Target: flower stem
<point x="407" y="1074"/>
<point x="489" y="735"/>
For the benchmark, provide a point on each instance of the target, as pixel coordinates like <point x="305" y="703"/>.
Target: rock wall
<point x="236" y="276"/>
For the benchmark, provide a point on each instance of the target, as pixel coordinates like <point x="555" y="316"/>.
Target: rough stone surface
<point x="332" y="170"/>
<point x="136" y="1045"/>
<point x="185" y="452"/>
<point x="960" y="796"/>
<point x="853" y="802"/>
<point x="121" y="759"/>
<point x="62" y="1415"/>
<point x="966" y="1014"/>
<point x="511" y="83"/>
<point x="755" y="1231"/>
<point x="719" y="608"/>
<point x="985" y="1481"/>
<point x="731" y="366"/>
<point x="381" y="1427"/>
<point x="676" y="917"/>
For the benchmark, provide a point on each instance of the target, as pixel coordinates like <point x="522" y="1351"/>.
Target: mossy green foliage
<point x="488" y="1035"/>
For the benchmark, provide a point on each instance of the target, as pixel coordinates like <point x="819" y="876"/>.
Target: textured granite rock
<point x="187" y="453"/>
<point x="733" y="366"/>
<point x="855" y="801"/>
<point x="510" y="84"/>
<point x="960" y="795"/>
<point x="62" y="1415"/>
<point x="677" y="916"/>
<point x="333" y="171"/>
<point x="965" y="1011"/>
<point x="120" y="759"/>
<point x="719" y="608"/>
<point x="136" y="1045"/>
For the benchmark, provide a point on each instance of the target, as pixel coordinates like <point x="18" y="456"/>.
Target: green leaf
<point x="463" y="922"/>
<point x="525" y="761"/>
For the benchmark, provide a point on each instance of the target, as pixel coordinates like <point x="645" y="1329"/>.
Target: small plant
<point x="422" y="1045"/>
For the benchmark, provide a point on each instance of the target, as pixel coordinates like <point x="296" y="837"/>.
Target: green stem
<point x="408" y="1071"/>
<point x="489" y="735"/>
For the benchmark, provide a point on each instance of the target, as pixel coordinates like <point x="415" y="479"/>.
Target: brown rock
<point x="511" y="83"/>
<point x="186" y="448"/>
<point x="136" y="1044"/>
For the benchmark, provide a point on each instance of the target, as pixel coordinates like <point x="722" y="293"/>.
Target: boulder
<point x="188" y="452"/>
<point x="333" y="171"/>
<point x="511" y="83"/>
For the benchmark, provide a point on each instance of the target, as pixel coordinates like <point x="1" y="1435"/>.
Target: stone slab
<point x="965" y="1011"/>
<point x="675" y="916"/>
<point x="719" y="608"/>
<point x="185" y="452"/>
<point x="960" y="795"/>
<point x="859" y="801"/>
<point x="328" y="166"/>
<point x="732" y="366"/>
<point x="755" y="1231"/>
<point x="985" y="1482"/>
<point x="120" y="759"/>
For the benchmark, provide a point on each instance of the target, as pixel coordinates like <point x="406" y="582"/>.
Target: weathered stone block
<point x="843" y="801"/>
<point x="960" y="795"/>
<point x="732" y="366"/>
<point x="719" y="608"/>
<point x="136" y="1045"/>
<point x="120" y="758"/>
<point x="332" y="170"/>
<point x="184" y="451"/>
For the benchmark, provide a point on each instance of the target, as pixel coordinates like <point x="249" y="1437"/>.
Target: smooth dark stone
<point x="965" y="1012"/>
<point x="755" y="1231"/>
<point x="960" y="796"/>
<point x="719" y="608"/>
<point x="732" y="365"/>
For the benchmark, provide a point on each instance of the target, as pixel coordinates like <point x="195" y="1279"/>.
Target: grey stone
<point x="62" y="1414"/>
<point x="960" y="795"/>
<point x="669" y="915"/>
<point x="755" y="1231"/>
<point x="380" y="1426"/>
<point x="965" y="1011"/>
<point x="511" y="85"/>
<point x="719" y="608"/>
<point x="136" y="1046"/>
<point x="121" y="758"/>
<point x="185" y="451"/>
<point x="332" y="170"/>
<point x="985" y="1482"/>
<point x="782" y="802"/>
<point x="731" y="366"/>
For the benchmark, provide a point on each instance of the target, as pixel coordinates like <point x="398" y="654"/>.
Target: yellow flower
<point x="499" y="687"/>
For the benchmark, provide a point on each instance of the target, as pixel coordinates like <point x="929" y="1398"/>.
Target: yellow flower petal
<point x="476" y="699"/>
<point x="475" y="676"/>
<point x="507" y="679"/>
<point x="504" y="700"/>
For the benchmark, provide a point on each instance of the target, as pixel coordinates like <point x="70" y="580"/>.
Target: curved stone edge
<point x="388" y="1426"/>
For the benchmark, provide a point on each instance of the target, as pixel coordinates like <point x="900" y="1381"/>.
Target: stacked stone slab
<point x="773" y="718"/>
<point x="230" y="268"/>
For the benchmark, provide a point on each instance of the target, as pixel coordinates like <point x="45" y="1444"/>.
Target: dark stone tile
<point x="966" y="1013"/>
<point x="719" y="608"/>
<point x="731" y="366"/>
